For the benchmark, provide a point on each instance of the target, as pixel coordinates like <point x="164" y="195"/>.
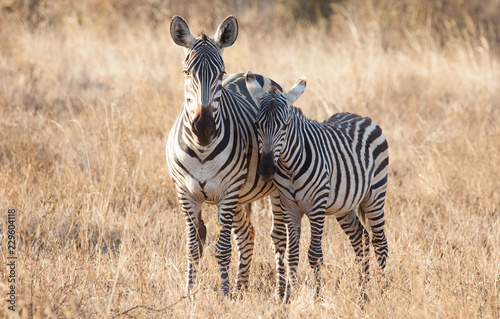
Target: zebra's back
<point x="339" y="118"/>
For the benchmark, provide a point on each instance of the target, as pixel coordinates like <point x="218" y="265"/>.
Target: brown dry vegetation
<point x="89" y="90"/>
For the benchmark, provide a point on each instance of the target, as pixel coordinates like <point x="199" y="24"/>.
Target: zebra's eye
<point x="186" y="72"/>
<point x="189" y="100"/>
<point x="222" y="74"/>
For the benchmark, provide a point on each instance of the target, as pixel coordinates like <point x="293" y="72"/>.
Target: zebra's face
<point x="204" y="69"/>
<point x="273" y="122"/>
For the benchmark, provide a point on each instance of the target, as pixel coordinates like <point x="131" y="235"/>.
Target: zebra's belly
<point x="339" y="209"/>
<point x="339" y="203"/>
<point x="297" y="199"/>
<point x="305" y="206"/>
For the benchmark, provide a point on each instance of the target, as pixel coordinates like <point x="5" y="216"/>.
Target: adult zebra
<point x="322" y="169"/>
<point x="212" y="154"/>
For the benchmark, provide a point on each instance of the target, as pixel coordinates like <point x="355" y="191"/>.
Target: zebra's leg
<point x="196" y="234"/>
<point x="373" y="209"/>
<point x="244" y="235"/>
<point x="315" y="254"/>
<point x="359" y="238"/>
<point x="248" y="209"/>
<point x="278" y="236"/>
<point x="292" y="250"/>
<point x="227" y="208"/>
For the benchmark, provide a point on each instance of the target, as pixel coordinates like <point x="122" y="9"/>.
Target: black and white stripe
<point x="320" y="169"/>
<point x="212" y="154"/>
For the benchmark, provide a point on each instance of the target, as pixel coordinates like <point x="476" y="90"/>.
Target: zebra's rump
<point x="361" y="130"/>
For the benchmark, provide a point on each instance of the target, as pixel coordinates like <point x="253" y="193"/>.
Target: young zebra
<point x="322" y="169"/>
<point x="212" y="155"/>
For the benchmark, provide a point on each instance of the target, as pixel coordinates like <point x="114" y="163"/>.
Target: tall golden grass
<point x="89" y="91"/>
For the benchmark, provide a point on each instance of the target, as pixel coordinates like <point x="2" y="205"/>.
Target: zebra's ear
<point x="296" y="91"/>
<point x="181" y="33"/>
<point x="254" y="87"/>
<point x="226" y="33"/>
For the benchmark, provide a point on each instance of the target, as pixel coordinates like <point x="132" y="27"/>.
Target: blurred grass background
<point x="89" y="91"/>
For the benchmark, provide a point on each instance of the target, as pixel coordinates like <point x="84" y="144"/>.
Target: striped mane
<point x="203" y="36"/>
<point x="274" y="90"/>
<point x="298" y="112"/>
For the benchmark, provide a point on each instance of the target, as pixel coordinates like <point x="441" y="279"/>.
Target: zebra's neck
<point x="298" y="143"/>
<point x="294" y="143"/>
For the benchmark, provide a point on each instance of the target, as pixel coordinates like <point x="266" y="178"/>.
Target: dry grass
<point x="87" y="98"/>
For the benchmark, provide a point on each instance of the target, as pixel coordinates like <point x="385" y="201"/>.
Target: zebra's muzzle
<point x="266" y="167"/>
<point x="204" y="126"/>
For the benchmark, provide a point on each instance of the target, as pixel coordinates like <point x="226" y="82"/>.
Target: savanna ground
<point x="89" y="91"/>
